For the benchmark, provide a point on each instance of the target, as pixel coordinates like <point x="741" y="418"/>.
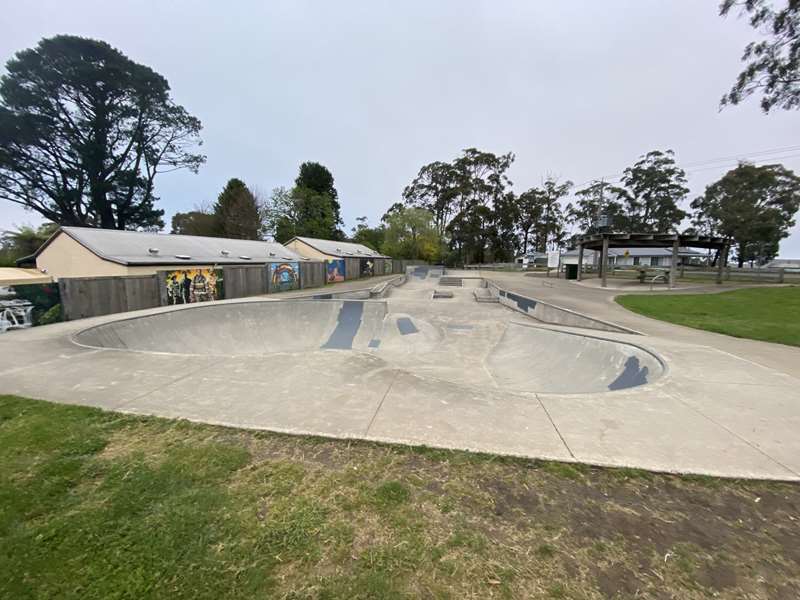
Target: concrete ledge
<point x="550" y="313"/>
<point x="483" y="294"/>
<point x="384" y="288"/>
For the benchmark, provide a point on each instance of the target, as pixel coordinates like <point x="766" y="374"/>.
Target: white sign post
<point x="553" y="261"/>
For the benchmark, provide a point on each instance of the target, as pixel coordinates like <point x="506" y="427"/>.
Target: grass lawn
<point x="769" y="314"/>
<point x="102" y="505"/>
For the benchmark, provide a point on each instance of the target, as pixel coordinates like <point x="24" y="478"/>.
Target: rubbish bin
<point x="572" y="271"/>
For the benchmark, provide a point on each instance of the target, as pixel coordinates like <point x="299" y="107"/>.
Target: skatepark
<point x="489" y="362"/>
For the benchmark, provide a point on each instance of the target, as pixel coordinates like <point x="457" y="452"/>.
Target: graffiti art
<point x="367" y="267"/>
<point x="284" y="276"/>
<point x="188" y="286"/>
<point x="335" y="270"/>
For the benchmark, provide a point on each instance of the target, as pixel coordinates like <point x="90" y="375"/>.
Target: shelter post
<point x="721" y="260"/>
<point x="604" y="262"/>
<point x="673" y="268"/>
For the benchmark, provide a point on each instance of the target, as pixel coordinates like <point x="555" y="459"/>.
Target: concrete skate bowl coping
<point x="524" y="358"/>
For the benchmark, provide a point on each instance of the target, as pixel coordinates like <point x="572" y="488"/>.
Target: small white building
<point x="633" y="257"/>
<point x="784" y="263"/>
<point x="531" y="259"/>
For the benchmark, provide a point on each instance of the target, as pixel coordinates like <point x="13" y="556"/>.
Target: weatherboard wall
<point x="83" y="297"/>
<point x="312" y="274"/>
<point x="352" y="268"/>
<point x="243" y="281"/>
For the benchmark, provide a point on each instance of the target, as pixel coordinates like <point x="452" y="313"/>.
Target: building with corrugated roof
<point x="646" y="257"/>
<point x="330" y="249"/>
<point x="90" y="252"/>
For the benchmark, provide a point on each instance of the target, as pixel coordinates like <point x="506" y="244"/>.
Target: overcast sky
<point x="374" y="90"/>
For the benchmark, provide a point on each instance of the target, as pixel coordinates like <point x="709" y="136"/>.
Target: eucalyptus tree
<point x="595" y="200"/>
<point x="462" y="196"/>
<point x="655" y="188"/>
<point x="772" y="65"/>
<point x="753" y="206"/>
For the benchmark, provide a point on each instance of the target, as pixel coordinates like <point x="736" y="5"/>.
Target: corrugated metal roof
<point x="15" y="276"/>
<point x="638" y="252"/>
<point x="143" y="248"/>
<point x="343" y="249"/>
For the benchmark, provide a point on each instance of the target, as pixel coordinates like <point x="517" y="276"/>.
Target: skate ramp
<point x="529" y="358"/>
<point x="490" y="352"/>
<point x="245" y="328"/>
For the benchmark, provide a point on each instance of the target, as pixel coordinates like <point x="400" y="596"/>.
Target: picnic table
<point x="651" y="272"/>
<point x="15" y="314"/>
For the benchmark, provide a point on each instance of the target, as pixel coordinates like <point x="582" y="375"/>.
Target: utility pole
<point x="600" y="205"/>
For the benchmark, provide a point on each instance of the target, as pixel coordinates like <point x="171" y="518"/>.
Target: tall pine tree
<point x="236" y="212"/>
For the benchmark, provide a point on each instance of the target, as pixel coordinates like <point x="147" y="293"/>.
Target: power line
<point x="732" y="165"/>
<point x="742" y="156"/>
<point x="616" y="177"/>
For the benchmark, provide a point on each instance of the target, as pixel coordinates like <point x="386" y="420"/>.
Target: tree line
<point x="310" y="208"/>
<point x="480" y="218"/>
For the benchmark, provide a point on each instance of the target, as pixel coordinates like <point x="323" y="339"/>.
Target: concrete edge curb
<point x="561" y="329"/>
<point x="199" y="306"/>
<point x="615" y="328"/>
<point x="410" y="443"/>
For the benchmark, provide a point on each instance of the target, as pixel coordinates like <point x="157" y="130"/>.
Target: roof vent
<point x="271" y="253"/>
<point x="183" y="256"/>
<point x="338" y="249"/>
<point x="224" y="252"/>
<point x="243" y="257"/>
<point x="153" y="250"/>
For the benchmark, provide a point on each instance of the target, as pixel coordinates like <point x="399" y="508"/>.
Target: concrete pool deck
<point x="723" y="406"/>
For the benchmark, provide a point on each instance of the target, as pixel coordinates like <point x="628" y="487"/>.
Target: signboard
<point x="553" y="259"/>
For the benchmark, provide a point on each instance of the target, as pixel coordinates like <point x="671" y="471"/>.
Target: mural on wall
<point x="387" y="266"/>
<point x="187" y="286"/>
<point x="335" y="270"/>
<point x="367" y="267"/>
<point x="29" y="304"/>
<point x="284" y="276"/>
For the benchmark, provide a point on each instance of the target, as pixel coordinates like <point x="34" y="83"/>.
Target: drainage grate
<point x="451" y="281"/>
<point x="442" y="294"/>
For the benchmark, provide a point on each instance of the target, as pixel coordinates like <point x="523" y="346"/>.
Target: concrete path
<point x="448" y="373"/>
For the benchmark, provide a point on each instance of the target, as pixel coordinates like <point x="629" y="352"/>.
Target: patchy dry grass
<point x="100" y="505"/>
